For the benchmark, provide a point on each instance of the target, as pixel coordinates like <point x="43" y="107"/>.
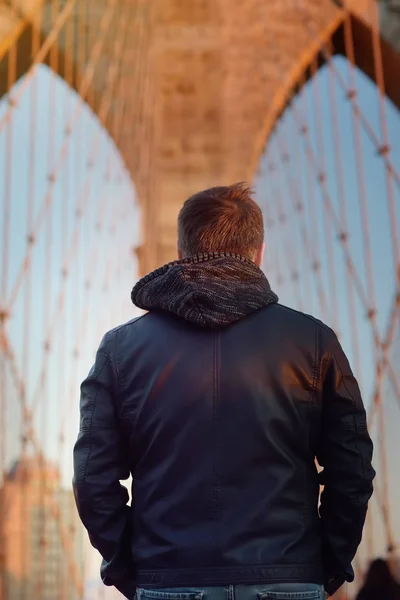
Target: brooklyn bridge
<point x="112" y="112"/>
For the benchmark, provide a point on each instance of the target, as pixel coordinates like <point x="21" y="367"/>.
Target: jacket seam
<point x="93" y="407"/>
<point x="129" y="323"/>
<point x="216" y="489"/>
<point x="354" y="416"/>
<point x="320" y="326"/>
<point x="315" y="370"/>
<point x="343" y="380"/>
<point x="117" y="369"/>
<point x="324" y="369"/>
<point x="229" y="568"/>
<point x="115" y="332"/>
<point x="252" y="574"/>
<point x="309" y="317"/>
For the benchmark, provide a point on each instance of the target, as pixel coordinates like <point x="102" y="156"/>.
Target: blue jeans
<point x="279" y="591"/>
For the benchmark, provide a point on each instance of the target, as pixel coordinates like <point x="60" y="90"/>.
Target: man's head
<point x="222" y="219"/>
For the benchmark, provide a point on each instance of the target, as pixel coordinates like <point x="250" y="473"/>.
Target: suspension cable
<point x="82" y="202"/>
<point x="350" y="264"/>
<point x="349" y="267"/>
<point x="39" y="58"/>
<point x="273" y="257"/>
<point x="47" y="301"/>
<point x="280" y="218"/>
<point x="298" y="207"/>
<point x="384" y="146"/>
<point x="343" y="217"/>
<point x="27" y="415"/>
<point x="83" y="89"/>
<point x="299" y="6"/>
<point x="320" y="145"/>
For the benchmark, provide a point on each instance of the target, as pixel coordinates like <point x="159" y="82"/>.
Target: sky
<point x="96" y="247"/>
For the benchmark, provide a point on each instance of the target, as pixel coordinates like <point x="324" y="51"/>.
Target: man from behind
<point x="217" y="401"/>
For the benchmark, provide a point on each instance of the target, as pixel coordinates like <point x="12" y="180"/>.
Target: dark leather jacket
<point x="217" y="402"/>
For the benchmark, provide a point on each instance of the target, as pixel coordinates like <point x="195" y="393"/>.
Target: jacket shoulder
<point x="297" y="314"/>
<point x="304" y="322"/>
<point x="124" y="327"/>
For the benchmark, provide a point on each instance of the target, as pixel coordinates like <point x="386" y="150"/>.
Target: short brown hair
<point x="221" y="219"/>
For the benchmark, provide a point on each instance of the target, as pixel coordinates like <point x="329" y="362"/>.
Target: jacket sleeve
<point x="345" y="452"/>
<point x="99" y="465"/>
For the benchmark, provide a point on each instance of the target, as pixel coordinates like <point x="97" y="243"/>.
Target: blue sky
<point x="110" y="201"/>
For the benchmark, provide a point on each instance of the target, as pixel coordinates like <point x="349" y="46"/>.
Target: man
<point x="217" y="401"/>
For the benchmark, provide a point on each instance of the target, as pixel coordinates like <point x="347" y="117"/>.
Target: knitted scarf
<point x="210" y="290"/>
